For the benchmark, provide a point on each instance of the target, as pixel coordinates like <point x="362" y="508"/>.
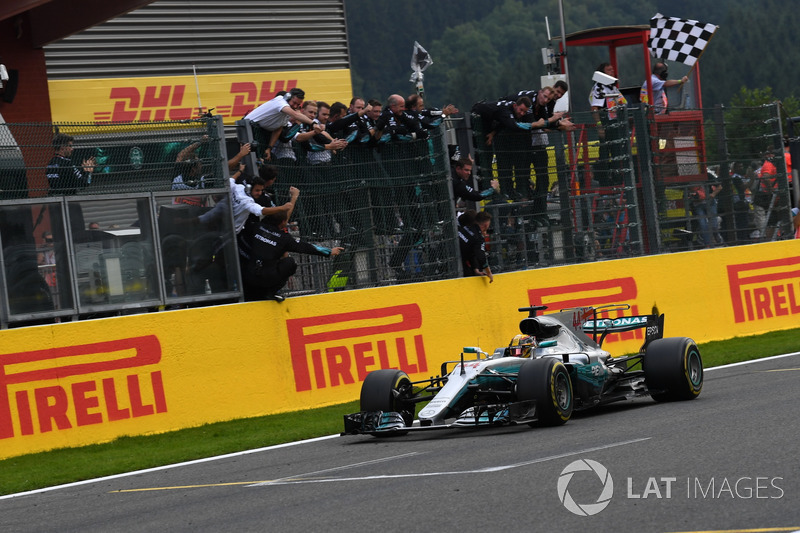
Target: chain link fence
<point x="636" y="183"/>
<point x="617" y="186"/>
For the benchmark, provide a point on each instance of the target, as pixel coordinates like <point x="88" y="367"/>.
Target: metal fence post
<point x="651" y="230"/>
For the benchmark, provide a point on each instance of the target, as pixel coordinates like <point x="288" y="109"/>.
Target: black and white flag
<point x="677" y="39"/>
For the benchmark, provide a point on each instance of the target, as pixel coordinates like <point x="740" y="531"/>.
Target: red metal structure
<point x="26" y="26"/>
<point x="678" y="148"/>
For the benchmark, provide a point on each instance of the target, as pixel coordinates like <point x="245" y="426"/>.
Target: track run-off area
<point x="726" y="461"/>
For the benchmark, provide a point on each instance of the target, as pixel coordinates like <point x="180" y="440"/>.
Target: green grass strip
<point x="56" y="467"/>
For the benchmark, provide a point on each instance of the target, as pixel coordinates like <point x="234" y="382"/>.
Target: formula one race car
<point x="554" y="367"/>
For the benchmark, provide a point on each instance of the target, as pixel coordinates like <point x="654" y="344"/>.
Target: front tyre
<point x="388" y="390"/>
<point x="546" y="381"/>
<point x="673" y="369"/>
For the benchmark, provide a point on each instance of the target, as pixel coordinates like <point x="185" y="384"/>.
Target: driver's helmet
<point x="521" y="346"/>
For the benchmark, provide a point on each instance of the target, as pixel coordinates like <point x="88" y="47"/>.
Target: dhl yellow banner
<point x="179" y="98"/>
<point x="79" y="383"/>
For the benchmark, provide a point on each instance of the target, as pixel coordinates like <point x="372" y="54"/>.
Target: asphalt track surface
<point x="727" y="461"/>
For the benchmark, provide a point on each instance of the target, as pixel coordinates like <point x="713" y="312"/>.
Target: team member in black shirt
<point x="270" y="267"/>
<point x="64" y="177"/>
<point x="472" y="228"/>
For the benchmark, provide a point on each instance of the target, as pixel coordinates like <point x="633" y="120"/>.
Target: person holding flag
<point x="659" y="82"/>
<point x="672" y="39"/>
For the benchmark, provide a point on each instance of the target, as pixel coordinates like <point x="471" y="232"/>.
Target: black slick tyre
<point x="388" y="390"/>
<point x="547" y="381"/>
<point x="673" y="369"/>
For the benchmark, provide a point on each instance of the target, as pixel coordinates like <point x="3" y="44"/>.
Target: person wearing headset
<point x="660" y="81"/>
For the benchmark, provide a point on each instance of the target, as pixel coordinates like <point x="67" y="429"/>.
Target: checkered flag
<point x="677" y="39"/>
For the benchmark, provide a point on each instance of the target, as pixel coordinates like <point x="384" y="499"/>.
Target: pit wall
<point x="87" y="382"/>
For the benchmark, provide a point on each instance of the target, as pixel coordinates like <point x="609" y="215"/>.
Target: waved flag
<point x="676" y="39"/>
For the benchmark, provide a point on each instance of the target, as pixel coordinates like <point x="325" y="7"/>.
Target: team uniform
<point x="473" y="249"/>
<point x="538" y="154"/>
<point x="64" y="177"/>
<point x="268" y="115"/>
<point x="462" y="189"/>
<point x="268" y="270"/>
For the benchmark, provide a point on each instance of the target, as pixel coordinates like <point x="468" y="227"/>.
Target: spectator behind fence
<point x="270" y="267"/>
<point x="188" y="174"/>
<point x="703" y="202"/>
<point x="796" y="222"/>
<point x="605" y="100"/>
<point x="245" y="193"/>
<point x="536" y="153"/>
<point x="504" y="114"/>
<point x="394" y="123"/>
<point x="508" y="121"/>
<point x="350" y="123"/>
<point x="272" y="116"/>
<point x="404" y="164"/>
<point x="429" y="118"/>
<point x="375" y="110"/>
<point x="64" y="177"/>
<point x="318" y="143"/>
<point x="462" y="183"/>
<point x="767" y="203"/>
<point x="320" y="178"/>
<point x="741" y="204"/>
<point x="660" y="82"/>
<point x="472" y="230"/>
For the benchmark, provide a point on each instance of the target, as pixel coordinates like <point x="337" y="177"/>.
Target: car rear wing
<point x="653" y="325"/>
<point x="596" y="329"/>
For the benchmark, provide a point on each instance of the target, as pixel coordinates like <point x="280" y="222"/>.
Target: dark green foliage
<point x="484" y="50"/>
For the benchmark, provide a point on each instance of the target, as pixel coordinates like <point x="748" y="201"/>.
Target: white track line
<point x="752" y="361"/>
<point x="484" y="470"/>
<point x="165" y="467"/>
<point x="277" y="446"/>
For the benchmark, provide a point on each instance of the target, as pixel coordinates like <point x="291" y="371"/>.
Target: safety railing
<point x="126" y="239"/>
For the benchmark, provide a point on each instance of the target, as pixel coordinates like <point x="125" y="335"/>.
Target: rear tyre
<point x="547" y="381"/>
<point x="673" y="369"/>
<point x="389" y="391"/>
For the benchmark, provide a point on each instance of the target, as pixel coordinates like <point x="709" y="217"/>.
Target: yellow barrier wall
<point x="175" y="97"/>
<point x="85" y="382"/>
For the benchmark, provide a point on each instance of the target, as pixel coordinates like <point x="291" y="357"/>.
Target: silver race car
<point x="555" y="366"/>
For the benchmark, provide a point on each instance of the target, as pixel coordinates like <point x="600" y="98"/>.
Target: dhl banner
<point x="85" y="382"/>
<point x="176" y="97"/>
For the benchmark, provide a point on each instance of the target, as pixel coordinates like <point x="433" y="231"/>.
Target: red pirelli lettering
<point x="609" y="291"/>
<point x="53" y="403"/>
<point x="593" y="293"/>
<point x="348" y="362"/>
<point x="765" y="289"/>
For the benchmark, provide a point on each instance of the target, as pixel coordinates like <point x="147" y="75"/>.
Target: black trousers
<point x="259" y="284"/>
